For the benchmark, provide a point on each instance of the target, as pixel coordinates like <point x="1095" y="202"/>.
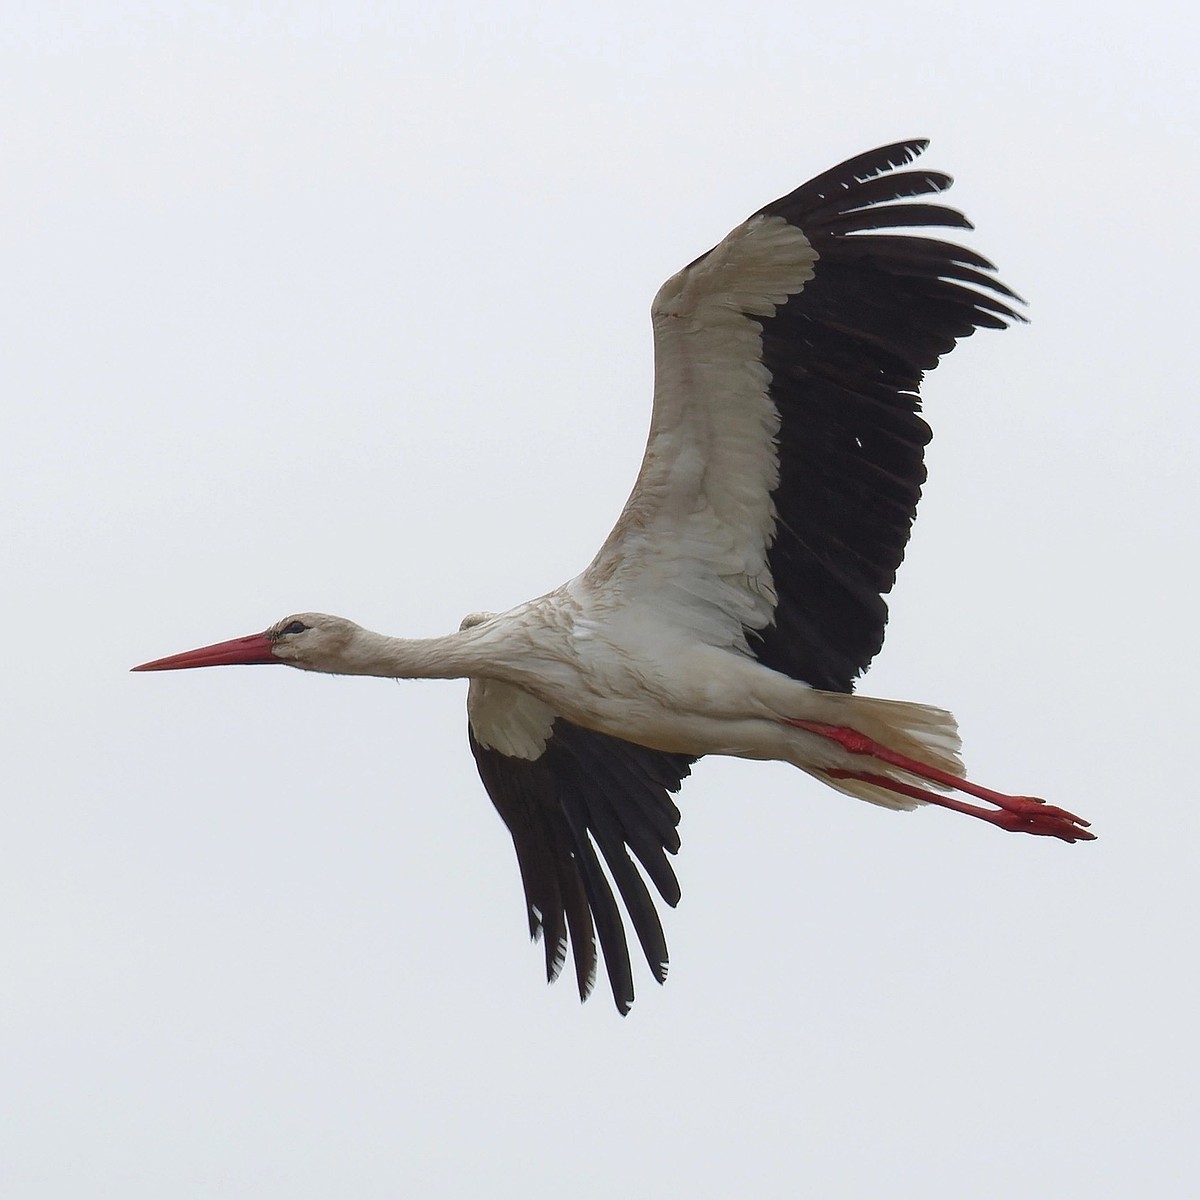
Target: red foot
<point x="1019" y="814"/>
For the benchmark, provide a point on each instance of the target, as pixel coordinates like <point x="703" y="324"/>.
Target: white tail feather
<point x="920" y="731"/>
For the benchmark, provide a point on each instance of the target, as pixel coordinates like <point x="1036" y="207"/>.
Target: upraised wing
<point x="786" y="453"/>
<point x="563" y="792"/>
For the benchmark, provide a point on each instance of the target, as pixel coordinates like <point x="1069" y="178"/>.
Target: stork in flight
<point x="741" y="592"/>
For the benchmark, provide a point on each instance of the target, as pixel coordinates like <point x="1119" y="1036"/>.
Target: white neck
<point x="454" y="656"/>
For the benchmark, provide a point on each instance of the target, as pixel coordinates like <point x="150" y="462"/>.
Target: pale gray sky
<point x="345" y="308"/>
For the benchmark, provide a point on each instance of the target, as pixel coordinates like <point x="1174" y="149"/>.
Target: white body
<point x="613" y="665"/>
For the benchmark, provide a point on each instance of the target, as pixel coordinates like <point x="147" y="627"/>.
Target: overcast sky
<point x="349" y="313"/>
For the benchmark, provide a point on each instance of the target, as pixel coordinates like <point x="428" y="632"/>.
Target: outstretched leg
<point x="1020" y="814"/>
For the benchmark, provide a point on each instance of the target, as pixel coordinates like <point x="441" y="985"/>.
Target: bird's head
<point x="310" y="641"/>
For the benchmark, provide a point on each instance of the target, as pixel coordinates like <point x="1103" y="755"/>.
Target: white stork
<point x="740" y="594"/>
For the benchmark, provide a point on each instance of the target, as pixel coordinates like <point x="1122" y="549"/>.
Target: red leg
<point x="1023" y="814"/>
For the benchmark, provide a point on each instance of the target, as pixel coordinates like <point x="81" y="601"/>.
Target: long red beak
<point x="253" y="649"/>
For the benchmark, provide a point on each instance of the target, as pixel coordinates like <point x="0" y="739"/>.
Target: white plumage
<point x="741" y="591"/>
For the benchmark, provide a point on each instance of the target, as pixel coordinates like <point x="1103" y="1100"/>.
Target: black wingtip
<point x="849" y="173"/>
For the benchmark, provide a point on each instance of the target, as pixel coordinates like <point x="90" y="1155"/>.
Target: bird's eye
<point x="293" y="627"/>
